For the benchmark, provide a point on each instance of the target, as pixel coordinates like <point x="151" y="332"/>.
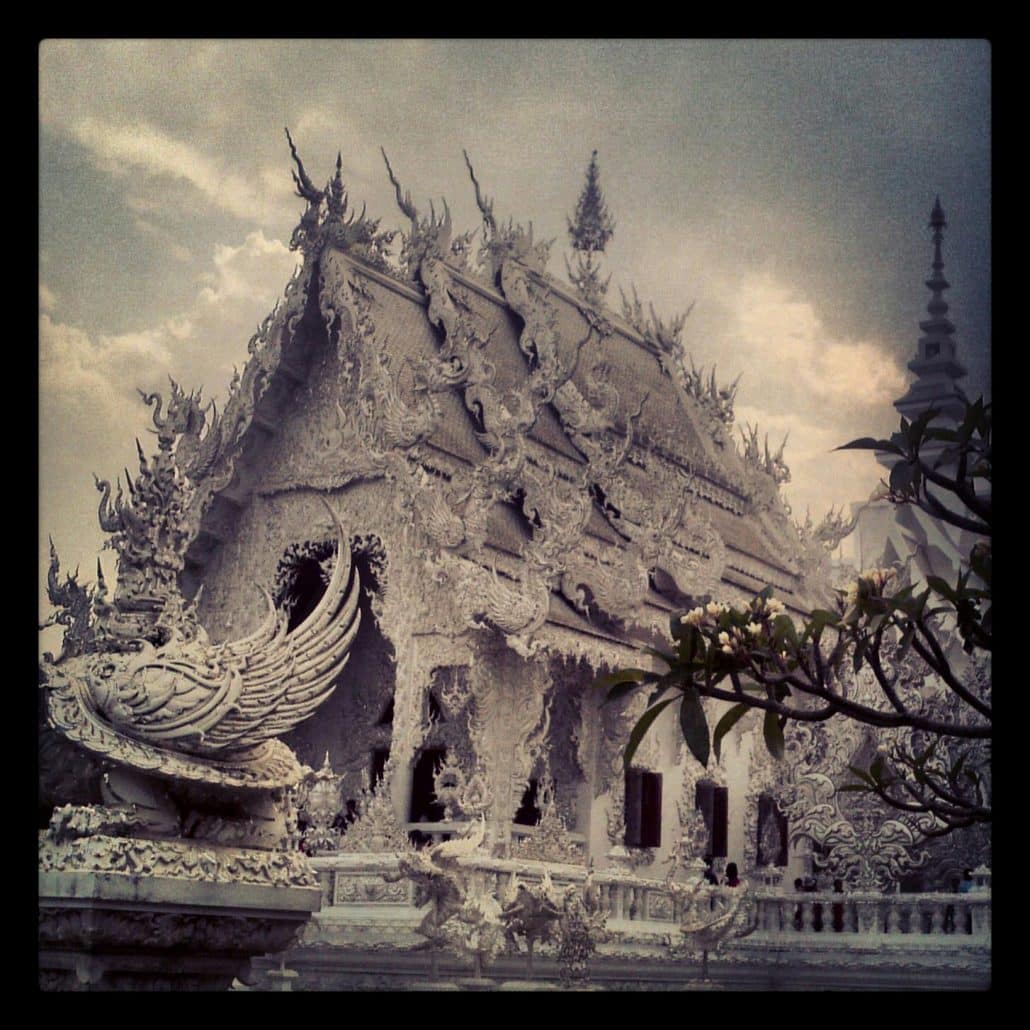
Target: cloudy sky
<point x="784" y="187"/>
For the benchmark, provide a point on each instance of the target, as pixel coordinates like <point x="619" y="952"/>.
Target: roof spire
<point x="589" y="233"/>
<point x="935" y="365"/>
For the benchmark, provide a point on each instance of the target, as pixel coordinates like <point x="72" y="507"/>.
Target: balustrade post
<point x="893" y="917"/>
<point x="981" y="913"/>
<point x="867" y="910"/>
<point x="786" y="912"/>
<point x="937" y="911"/>
<point x="634" y="899"/>
<point x="962" y="919"/>
<point x="807" y="916"/>
<point x="619" y="900"/>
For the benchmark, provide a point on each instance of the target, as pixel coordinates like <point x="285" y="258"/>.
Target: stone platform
<point x="131" y="914"/>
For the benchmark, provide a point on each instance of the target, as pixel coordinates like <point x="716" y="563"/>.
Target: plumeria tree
<point x="908" y="657"/>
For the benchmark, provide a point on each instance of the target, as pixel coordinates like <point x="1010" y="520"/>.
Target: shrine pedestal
<point x="130" y="914"/>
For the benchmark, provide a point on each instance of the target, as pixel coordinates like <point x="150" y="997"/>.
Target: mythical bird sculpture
<point x="214" y="700"/>
<point x="461" y="914"/>
<point x="531" y="912"/>
<point x="179" y="720"/>
<point x="710" y="929"/>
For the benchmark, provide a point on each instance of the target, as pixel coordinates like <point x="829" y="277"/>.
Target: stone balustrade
<point x="783" y="914"/>
<point x="637" y="905"/>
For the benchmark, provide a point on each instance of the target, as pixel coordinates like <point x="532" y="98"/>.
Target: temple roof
<point x="548" y="408"/>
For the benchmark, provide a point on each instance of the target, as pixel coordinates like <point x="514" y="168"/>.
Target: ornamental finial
<point x="589" y="232"/>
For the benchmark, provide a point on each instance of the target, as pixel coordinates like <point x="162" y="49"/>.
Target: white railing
<point x="927" y="916"/>
<point x="441" y="831"/>
<point x="782" y="915"/>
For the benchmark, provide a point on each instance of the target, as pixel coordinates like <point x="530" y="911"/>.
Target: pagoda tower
<point x="936" y="366"/>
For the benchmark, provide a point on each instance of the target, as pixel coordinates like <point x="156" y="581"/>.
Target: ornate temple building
<point x="530" y="485"/>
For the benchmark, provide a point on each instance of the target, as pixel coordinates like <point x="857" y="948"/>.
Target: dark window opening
<point x="304" y="592"/>
<point x="346" y="815"/>
<point x="772" y="833"/>
<point x="435" y="711"/>
<point x="528" y="813"/>
<point x="933" y="349"/>
<point x="713" y="804"/>
<point x="379" y="757"/>
<point x="424" y="806"/>
<point x="386" y="718"/>
<point x="643" y="809"/>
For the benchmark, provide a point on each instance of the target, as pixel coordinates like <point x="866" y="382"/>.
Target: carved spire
<point x="936" y="364"/>
<point x="589" y="233"/>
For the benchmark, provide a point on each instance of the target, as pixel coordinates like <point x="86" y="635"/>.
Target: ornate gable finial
<point x="589" y="233"/>
<point x="503" y="241"/>
<point x="325" y="220"/>
<point x="73" y="608"/>
<point x="427" y="237"/>
<point x="307" y="230"/>
<point x="771" y="464"/>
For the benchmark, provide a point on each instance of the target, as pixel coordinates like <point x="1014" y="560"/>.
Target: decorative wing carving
<point x="209" y="700"/>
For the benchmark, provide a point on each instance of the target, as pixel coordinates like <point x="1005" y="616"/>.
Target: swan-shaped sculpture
<point x="208" y="713"/>
<point x="708" y="932"/>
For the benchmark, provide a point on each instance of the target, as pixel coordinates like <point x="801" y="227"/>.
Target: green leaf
<point x="725" y="724"/>
<point x="642" y="726"/>
<point x="694" y="725"/>
<point x="619" y="690"/>
<point x="784" y="629"/>
<point x="859" y="657"/>
<point x="943" y="588"/>
<point x="867" y="443"/>
<point x="853" y="786"/>
<point x="773" y="733"/>
<point x="906" y="640"/>
<point x="901" y="477"/>
<point x="861" y="774"/>
<point x="611" y="679"/>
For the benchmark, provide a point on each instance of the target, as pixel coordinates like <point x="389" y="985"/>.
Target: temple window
<point x="528" y="813"/>
<point x="713" y="804"/>
<point x="424" y="806"/>
<point x="379" y="757"/>
<point x="772" y="833"/>
<point x="643" y="815"/>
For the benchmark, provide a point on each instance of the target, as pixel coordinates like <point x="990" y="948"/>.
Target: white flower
<point x="727" y="645"/>
<point x="716" y="607"/>
<point x="775" y="606"/>
<point x="693" y="617"/>
<point x="754" y="628"/>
